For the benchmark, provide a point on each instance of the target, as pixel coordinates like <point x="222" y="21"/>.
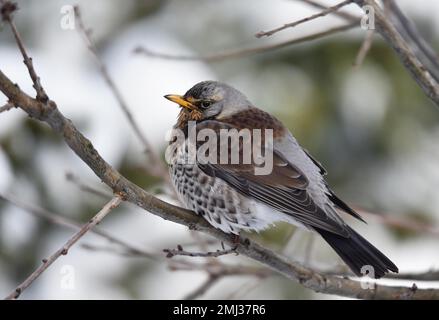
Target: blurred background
<point x="372" y="128"/>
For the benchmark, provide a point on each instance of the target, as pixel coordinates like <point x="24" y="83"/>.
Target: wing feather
<point x="284" y="189"/>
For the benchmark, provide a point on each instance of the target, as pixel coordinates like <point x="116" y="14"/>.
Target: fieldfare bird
<point x="234" y="196"/>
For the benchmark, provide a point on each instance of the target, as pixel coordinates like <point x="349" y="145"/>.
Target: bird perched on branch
<point x="243" y="194"/>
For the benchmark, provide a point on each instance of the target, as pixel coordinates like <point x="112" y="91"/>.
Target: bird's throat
<point x="186" y="115"/>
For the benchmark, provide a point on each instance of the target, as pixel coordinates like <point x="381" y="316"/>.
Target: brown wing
<point x="284" y="189"/>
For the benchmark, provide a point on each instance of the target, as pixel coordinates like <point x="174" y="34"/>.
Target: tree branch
<point x="406" y="26"/>
<point x="239" y="53"/>
<point x="203" y="288"/>
<point x="6" y="12"/>
<point x="86" y="188"/>
<point x="325" y="12"/>
<point x="8" y="106"/>
<point x="345" y="15"/>
<point x="156" y="168"/>
<point x="74" y="225"/>
<point x="364" y="49"/>
<point x="391" y="35"/>
<point x="113" y="203"/>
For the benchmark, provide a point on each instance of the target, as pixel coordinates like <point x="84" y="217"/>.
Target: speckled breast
<point x="212" y="198"/>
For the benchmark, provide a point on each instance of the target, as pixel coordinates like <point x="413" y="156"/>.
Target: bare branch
<point x="113" y="203"/>
<point x="325" y="12"/>
<point x="74" y="225"/>
<point x="157" y="167"/>
<point x="7" y="9"/>
<point x="86" y="188"/>
<point x="203" y="288"/>
<point x="8" y="106"/>
<point x="395" y="222"/>
<point x="220" y="269"/>
<point x="239" y="53"/>
<point x="243" y="290"/>
<point x="364" y="49"/>
<point x="418" y="71"/>
<point x="410" y="32"/>
<point x="344" y="15"/>
<point x="213" y="254"/>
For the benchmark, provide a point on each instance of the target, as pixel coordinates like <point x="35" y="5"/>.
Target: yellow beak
<point x="181" y="101"/>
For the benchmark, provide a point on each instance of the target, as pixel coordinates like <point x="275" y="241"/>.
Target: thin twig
<point x="220" y="269"/>
<point x="127" y="251"/>
<point x="113" y="203"/>
<point x="393" y="221"/>
<point x="102" y="194"/>
<point x="74" y="225"/>
<point x="409" y="29"/>
<point x="203" y="288"/>
<point x="239" y="53"/>
<point x="325" y="12"/>
<point x="8" y="106"/>
<point x="389" y="32"/>
<point x="157" y="167"/>
<point x="344" y="15"/>
<point x="213" y="254"/>
<point x="364" y="49"/>
<point x="7" y="10"/>
<point x="86" y="188"/>
<point x="244" y="289"/>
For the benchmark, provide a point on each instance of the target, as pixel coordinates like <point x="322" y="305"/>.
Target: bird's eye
<point x="205" y="104"/>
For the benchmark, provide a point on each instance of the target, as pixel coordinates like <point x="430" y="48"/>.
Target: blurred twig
<point x="323" y="13"/>
<point x="7" y="9"/>
<point x="69" y="223"/>
<point x="113" y="203"/>
<point x="390" y="33"/>
<point x="203" y="288"/>
<point x="399" y="222"/>
<point x="364" y="49"/>
<point x="244" y="289"/>
<point x="345" y="15"/>
<point x="84" y="187"/>
<point x="157" y="167"/>
<point x="408" y="28"/>
<point x="367" y="42"/>
<point x="238" y="53"/>
<point x="8" y="106"/>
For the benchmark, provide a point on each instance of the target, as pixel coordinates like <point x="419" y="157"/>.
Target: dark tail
<point x="357" y="252"/>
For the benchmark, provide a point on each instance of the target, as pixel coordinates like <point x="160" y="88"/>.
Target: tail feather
<point x="357" y="252"/>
